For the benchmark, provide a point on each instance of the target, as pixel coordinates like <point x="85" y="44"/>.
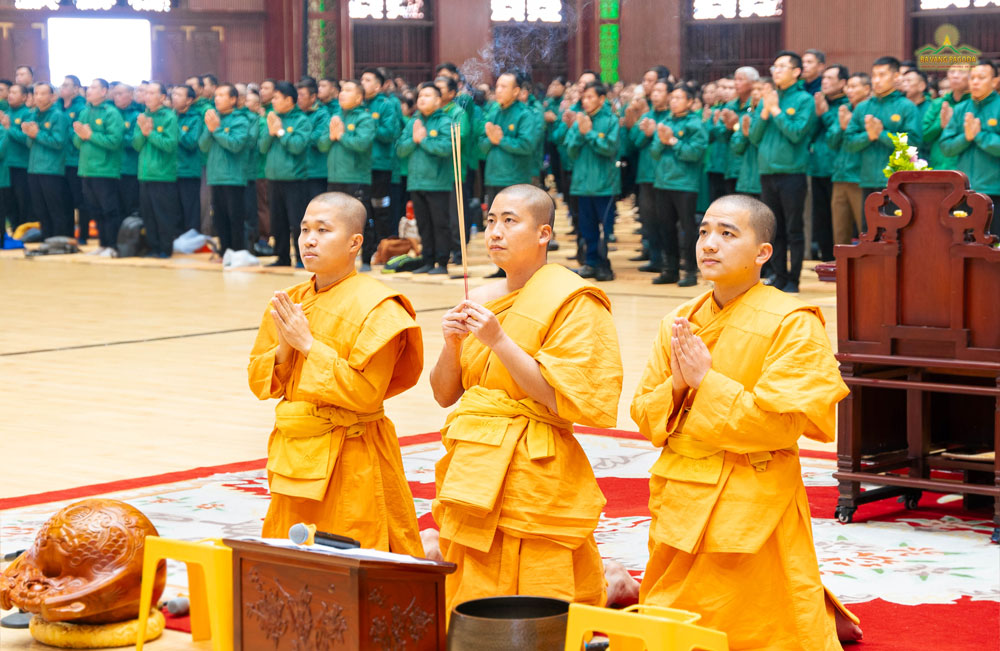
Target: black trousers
<point x="673" y="230"/>
<point x="431" y="210"/>
<point x="647" y="215"/>
<point x="48" y="200"/>
<point x="315" y="187"/>
<point x="398" y="200"/>
<point x="380" y="224"/>
<point x="785" y="195"/>
<point x="228" y="206"/>
<point x="100" y="197"/>
<point x="189" y="195"/>
<point x="287" y="201"/>
<point x="128" y="189"/>
<point x="20" y="209"/>
<point x="716" y="185"/>
<point x="822" y="216"/>
<point x="995" y="224"/>
<point x="160" y="209"/>
<point x="250" y="214"/>
<point x="74" y="200"/>
<point x="730" y="185"/>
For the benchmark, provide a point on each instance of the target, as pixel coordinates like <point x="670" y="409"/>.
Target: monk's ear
<point x="764" y="251"/>
<point x="354" y="244"/>
<point x="544" y="234"/>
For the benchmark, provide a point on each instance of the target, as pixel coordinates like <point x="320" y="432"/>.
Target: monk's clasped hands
<point x="472" y="318"/>
<point x="688" y="353"/>
<point x="291" y="322"/>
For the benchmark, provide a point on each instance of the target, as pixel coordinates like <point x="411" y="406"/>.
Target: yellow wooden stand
<point x="642" y="627"/>
<point x="210" y="586"/>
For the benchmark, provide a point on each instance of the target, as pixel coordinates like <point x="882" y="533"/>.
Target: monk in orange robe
<point x="736" y="376"/>
<point x="333" y="349"/>
<point x="526" y="357"/>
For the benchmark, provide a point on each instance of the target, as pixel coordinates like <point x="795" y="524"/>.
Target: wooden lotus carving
<point x="85" y="565"/>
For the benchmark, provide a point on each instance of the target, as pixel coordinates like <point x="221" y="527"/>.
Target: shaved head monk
<point x="736" y="376"/>
<point x="332" y="349"/>
<point x="525" y="357"/>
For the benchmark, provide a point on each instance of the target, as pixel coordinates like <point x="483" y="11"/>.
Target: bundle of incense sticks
<point x="456" y="159"/>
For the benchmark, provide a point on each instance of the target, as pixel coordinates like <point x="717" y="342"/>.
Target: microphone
<point x="306" y="534"/>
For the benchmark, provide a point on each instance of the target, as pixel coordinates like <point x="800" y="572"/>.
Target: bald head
<point x="538" y="203"/>
<point x="761" y="218"/>
<point x="343" y="208"/>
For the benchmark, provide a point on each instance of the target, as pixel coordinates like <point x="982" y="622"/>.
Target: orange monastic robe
<point x="517" y="501"/>
<point x="333" y="458"/>
<point x="730" y="536"/>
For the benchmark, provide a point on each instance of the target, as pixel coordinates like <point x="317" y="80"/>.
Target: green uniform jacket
<point x="402" y="167"/>
<point x="72" y="115"/>
<point x="511" y="161"/>
<point x="460" y="116"/>
<point x="130" y="157"/>
<point x="783" y="140"/>
<point x="537" y="114"/>
<point x="158" y="151"/>
<point x="319" y="122"/>
<point x="17" y="147"/>
<point x="429" y="165"/>
<point x="101" y="154"/>
<point x="387" y="116"/>
<point x="250" y="151"/>
<point x="718" y="141"/>
<point x="201" y="106"/>
<point x="47" y="150"/>
<point x="748" y="179"/>
<point x="349" y="160"/>
<point x="4" y="169"/>
<point x="646" y="167"/>
<point x="931" y="124"/>
<point x="286" y="155"/>
<point x="898" y="115"/>
<point x="259" y="156"/>
<point x="226" y="148"/>
<point x="846" y="165"/>
<point x="922" y="108"/>
<point x="821" y="157"/>
<point x="681" y="166"/>
<point x="594" y="155"/>
<point x="189" y="155"/>
<point x="980" y="157"/>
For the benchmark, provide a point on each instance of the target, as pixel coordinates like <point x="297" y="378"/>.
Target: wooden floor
<point x="117" y="369"/>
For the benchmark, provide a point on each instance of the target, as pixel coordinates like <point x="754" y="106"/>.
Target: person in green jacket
<point x="256" y="218"/>
<point x="284" y="141"/>
<point x="939" y="114"/>
<point x="718" y="138"/>
<point x="319" y="122"/>
<point x="745" y="80"/>
<point x="4" y="181"/>
<point x="5" y="85"/>
<point x="828" y="102"/>
<point x="224" y="141"/>
<point x="385" y="111"/>
<point x="886" y="111"/>
<point x="781" y="128"/>
<point x="748" y="177"/>
<point x="155" y="138"/>
<point x="347" y="141"/>
<point x="845" y="202"/>
<point x="448" y="87"/>
<point x="128" y="187"/>
<point x="592" y="143"/>
<point x="190" y="122"/>
<point x="913" y="84"/>
<point x="327" y="93"/>
<point x="47" y="130"/>
<point x="679" y="151"/>
<point x="642" y="133"/>
<point x="71" y="102"/>
<point x="426" y="146"/>
<point x="97" y="134"/>
<point x="973" y="136"/>
<point x="17" y="154"/>
<point x="507" y="138"/>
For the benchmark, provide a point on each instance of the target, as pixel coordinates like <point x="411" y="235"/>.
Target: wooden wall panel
<point x="235" y="6"/>
<point x="851" y="32"/>
<point x="462" y="29"/>
<point x="650" y="35"/>
<point x="244" y="58"/>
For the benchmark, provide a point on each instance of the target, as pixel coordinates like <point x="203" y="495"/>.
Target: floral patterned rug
<point x="906" y="573"/>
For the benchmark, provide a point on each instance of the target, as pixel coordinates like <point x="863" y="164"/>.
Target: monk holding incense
<point x="332" y="349"/>
<point x="736" y="376"/>
<point x="525" y="357"/>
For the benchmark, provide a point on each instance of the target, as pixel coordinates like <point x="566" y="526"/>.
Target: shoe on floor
<point x="603" y="275"/>
<point x="586" y="271"/>
<point x="689" y="280"/>
<point x="427" y="268"/>
<point x="642" y="257"/>
<point x="437" y="271"/>
<point x="499" y="273"/>
<point x="790" y="288"/>
<point x="666" y="278"/>
<point x="553" y="245"/>
<point x="650" y="268"/>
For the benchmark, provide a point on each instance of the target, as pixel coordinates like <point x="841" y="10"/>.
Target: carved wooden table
<point x="302" y="600"/>
<point x="918" y="339"/>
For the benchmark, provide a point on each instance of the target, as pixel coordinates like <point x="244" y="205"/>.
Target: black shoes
<point x="586" y="271"/>
<point x="437" y="271"/>
<point x="427" y="268"/>
<point x="603" y="275"/>
<point x="689" y="280"/>
<point x="499" y="273"/>
<point x="650" y="268"/>
<point x="666" y="278"/>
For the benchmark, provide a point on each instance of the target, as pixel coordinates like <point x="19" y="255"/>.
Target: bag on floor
<point x="391" y="247"/>
<point x="58" y="245"/>
<point x="402" y="263"/>
<point x="132" y="238"/>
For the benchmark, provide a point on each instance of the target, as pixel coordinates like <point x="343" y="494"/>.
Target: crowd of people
<point x="242" y="161"/>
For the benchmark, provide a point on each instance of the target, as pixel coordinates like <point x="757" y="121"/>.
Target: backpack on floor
<point x="402" y="263"/>
<point x="132" y="238"/>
